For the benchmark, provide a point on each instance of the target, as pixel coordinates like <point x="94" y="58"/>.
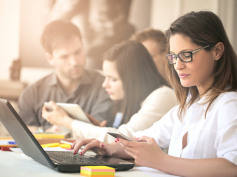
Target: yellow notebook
<point x="52" y="135"/>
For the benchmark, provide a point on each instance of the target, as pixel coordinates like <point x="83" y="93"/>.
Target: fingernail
<point x="71" y="146"/>
<point x="102" y="145"/>
<point x="81" y="153"/>
<point x="75" y="152"/>
<point x="116" y="141"/>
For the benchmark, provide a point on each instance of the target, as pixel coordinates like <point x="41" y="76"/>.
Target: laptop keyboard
<point x="62" y="157"/>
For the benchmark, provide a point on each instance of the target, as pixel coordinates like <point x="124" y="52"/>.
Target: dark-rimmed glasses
<point x="183" y="56"/>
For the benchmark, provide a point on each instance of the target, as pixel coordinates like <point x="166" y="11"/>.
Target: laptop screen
<point x="31" y="147"/>
<point x="21" y="134"/>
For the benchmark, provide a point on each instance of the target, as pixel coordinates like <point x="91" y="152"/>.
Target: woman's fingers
<point x="146" y="139"/>
<point x="95" y="146"/>
<point x="130" y="146"/>
<point x="126" y="142"/>
<point x="90" y="144"/>
<point x="130" y="153"/>
<point x="79" y="143"/>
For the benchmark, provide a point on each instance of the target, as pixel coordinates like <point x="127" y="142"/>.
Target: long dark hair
<point x="137" y="72"/>
<point x="204" y="28"/>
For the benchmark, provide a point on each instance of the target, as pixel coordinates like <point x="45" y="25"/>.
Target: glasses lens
<point x="171" y="58"/>
<point x="185" y="56"/>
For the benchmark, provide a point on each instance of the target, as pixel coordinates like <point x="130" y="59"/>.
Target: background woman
<point x="131" y="76"/>
<point x="201" y="131"/>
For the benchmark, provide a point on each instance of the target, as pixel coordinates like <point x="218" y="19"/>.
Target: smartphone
<point x="120" y="135"/>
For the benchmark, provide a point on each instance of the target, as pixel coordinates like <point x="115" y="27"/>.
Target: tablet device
<point x="73" y="110"/>
<point x="119" y="135"/>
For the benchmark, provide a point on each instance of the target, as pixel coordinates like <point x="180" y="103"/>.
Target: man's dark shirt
<point x="89" y="94"/>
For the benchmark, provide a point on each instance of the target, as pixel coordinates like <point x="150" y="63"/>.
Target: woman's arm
<point x="196" y="167"/>
<point x="149" y="154"/>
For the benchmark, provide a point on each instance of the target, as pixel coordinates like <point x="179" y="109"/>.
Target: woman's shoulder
<point x="228" y="96"/>
<point x="163" y="94"/>
<point x="163" y="90"/>
<point x="224" y="101"/>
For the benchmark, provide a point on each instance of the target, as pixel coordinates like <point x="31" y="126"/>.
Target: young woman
<point x="131" y="77"/>
<point x="200" y="132"/>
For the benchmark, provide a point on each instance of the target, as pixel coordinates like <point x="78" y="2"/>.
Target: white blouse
<point x="153" y="108"/>
<point x="210" y="137"/>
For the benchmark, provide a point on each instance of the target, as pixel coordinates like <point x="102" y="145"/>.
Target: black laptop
<point x="61" y="161"/>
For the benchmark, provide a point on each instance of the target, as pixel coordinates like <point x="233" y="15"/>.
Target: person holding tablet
<point x="201" y="131"/>
<point x="70" y="82"/>
<point x="132" y="78"/>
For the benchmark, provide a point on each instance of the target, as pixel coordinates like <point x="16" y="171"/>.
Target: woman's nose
<point x="179" y="65"/>
<point x="105" y="83"/>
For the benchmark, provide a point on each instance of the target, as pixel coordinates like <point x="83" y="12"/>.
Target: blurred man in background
<point x="156" y="44"/>
<point x="70" y="83"/>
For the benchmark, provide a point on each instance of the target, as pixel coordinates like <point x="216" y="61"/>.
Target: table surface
<point x="25" y="166"/>
<point x="18" y="164"/>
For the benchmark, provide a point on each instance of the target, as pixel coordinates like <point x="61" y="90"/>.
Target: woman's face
<point x="198" y="72"/>
<point x="112" y="83"/>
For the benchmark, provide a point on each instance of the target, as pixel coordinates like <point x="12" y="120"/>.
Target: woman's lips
<point x="109" y="92"/>
<point x="182" y="76"/>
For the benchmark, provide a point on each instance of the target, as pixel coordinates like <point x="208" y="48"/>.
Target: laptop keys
<point x="59" y="157"/>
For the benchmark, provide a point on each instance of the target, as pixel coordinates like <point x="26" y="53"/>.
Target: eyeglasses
<point x="183" y="56"/>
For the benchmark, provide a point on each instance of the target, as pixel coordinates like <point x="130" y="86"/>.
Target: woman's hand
<point x="94" y="145"/>
<point x="96" y="122"/>
<point x="146" y="152"/>
<point x="57" y="116"/>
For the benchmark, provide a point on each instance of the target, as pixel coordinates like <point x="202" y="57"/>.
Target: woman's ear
<point x="219" y="49"/>
<point x="49" y="58"/>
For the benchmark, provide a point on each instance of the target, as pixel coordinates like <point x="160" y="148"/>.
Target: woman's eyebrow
<point x="184" y="50"/>
<point x="110" y="76"/>
<point x="171" y="52"/>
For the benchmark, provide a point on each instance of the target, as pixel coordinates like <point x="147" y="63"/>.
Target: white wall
<point x="9" y="42"/>
<point x="140" y="13"/>
<point x="9" y="35"/>
<point x="163" y="13"/>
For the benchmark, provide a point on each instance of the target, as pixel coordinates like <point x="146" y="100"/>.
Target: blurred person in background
<point x="103" y="23"/>
<point x="132" y="78"/>
<point x="109" y="25"/>
<point x="69" y="83"/>
<point x="156" y="44"/>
